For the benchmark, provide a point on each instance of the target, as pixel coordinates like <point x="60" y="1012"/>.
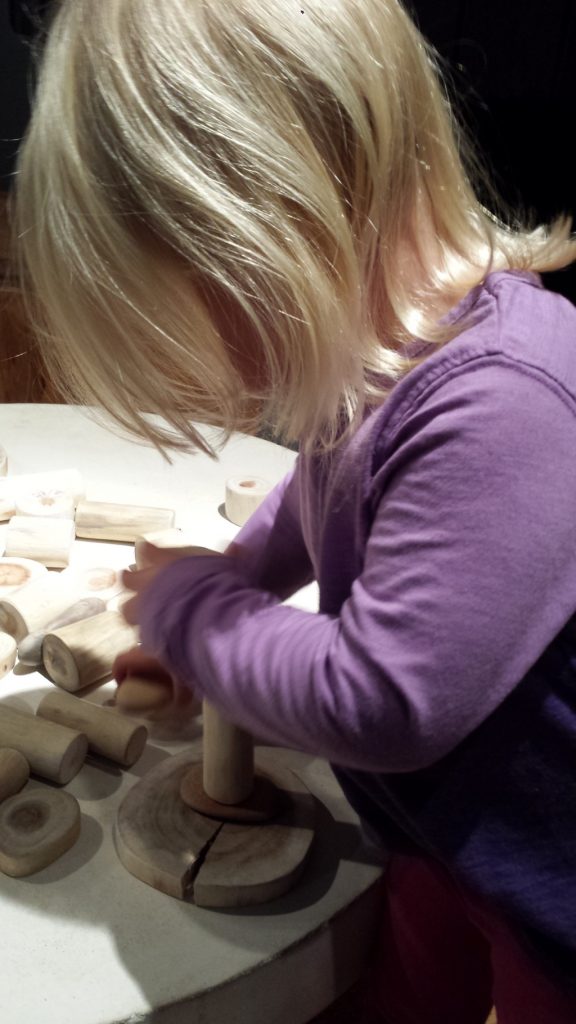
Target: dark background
<point x="512" y="69"/>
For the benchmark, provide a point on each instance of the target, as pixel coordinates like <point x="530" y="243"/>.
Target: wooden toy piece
<point x="13" y="487"/>
<point x="137" y="694"/>
<point x="52" y="751"/>
<point x="182" y="853"/>
<point x="16" y="572"/>
<point x="30" y="648"/>
<point x="36" y="828"/>
<point x="46" y="502"/>
<point x="225" y="785"/>
<point x="108" y="733"/>
<point x="14" y="772"/>
<point x="32" y="606"/>
<point x="43" y="539"/>
<point x="173" y="538"/>
<point x="243" y="496"/>
<point x="83" y="653"/>
<point x="94" y="581"/>
<point x="99" y="520"/>
<point x="8" y="648"/>
<point x="3" y="461"/>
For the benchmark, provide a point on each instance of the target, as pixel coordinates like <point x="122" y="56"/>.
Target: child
<point x="255" y="212"/>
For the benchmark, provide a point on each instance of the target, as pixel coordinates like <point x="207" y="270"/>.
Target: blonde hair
<point x="242" y="212"/>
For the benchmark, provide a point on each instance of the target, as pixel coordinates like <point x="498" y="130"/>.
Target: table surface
<point x="83" y="942"/>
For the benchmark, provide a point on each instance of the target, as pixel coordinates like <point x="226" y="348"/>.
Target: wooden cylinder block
<point x="31" y="607"/>
<point x="83" y="653"/>
<point x="14" y="487"/>
<point x="52" y="751"/>
<point x="100" y="520"/>
<point x="228" y="772"/>
<point x="173" y="538"/>
<point x="14" y="772"/>
<point x="48" y="503"/>
<point x="141" y="695"/>
<point x="45" y="540"/>
<point x="30" y="648"/>
<point x="243" y="496"/>
<point x="94" y="581"/>
<point x="109" y="734"/>
<point x="8" y="650"/>
<point x="36" y="827"/>
<point x="17" y="572"/>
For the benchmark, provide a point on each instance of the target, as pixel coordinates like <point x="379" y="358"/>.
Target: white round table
<point x="83" y="942"/>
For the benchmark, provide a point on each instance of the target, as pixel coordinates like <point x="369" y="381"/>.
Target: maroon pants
<point x="443" y="959"/>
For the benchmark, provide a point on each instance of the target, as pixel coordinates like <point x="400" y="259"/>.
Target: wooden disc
<point x="36" y="827"/>
<point x="264" y="802"/>
<point x="182" y="853"/>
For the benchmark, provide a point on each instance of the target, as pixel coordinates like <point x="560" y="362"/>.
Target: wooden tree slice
<point x="158" y="839"/>
<point x="185" y="854"/>
<point x="36" y="827"/>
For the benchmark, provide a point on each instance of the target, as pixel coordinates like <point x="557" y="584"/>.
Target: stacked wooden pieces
<point x="46" y="511"/>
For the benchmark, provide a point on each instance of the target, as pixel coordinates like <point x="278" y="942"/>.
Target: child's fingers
<point x="137" y="662"/>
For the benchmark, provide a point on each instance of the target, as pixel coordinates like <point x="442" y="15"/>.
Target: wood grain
<point x="36" y="828"/>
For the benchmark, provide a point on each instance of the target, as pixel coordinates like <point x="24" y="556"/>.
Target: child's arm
<point x="469" y="573"/>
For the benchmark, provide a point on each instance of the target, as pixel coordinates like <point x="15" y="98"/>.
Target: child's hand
<point x="154" y="559"/>
<point x="145" y="687"/>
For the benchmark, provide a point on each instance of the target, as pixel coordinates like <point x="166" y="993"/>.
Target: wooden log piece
<point x="36" y="828"/>
<point x="83" y="653"/>
<point x="13" y="487"/>
<point x="49" y="503"/>
<point x="32" y="606"/>
<point x="228" y="759"/>
<point x="243" y="496"/>
<point x="52" y="751"/>
<point x="109" y="734"/>
<point x="16" y="572"/>
<point x="139" y="695"/>
<point x="8" y="648"/>
<point x="100" y="520"/>
<point x="14" y="772"/>
<point x="30" y="648"/>
<point x="173" y="538"/>
<point x="45" y="540"/>
<point x="94" y="581"/>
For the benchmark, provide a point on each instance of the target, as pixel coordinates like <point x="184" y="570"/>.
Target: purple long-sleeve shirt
<point x="437" y="674"/>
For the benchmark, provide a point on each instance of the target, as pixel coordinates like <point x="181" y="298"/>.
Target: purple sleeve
<point x="271" y="547"/>
<point x="469" y="573"/>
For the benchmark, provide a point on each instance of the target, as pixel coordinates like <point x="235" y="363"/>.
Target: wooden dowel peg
<point x="52" y="751"/>
<point x="109" y="734"/>
<point x="30" y="648"/>
<point x="45" y="540"/>
<point x="228" y="773"/>
<point x="36" y="828"/>
<point x="8" y="648"/>
<point x="83" y="653"/>
<point x="14" y="772"/>
<point x="32" y="606"/>
<point x="100" y="520"/>
<point x="243" y="496"/>
<point x="17" y="572"/>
